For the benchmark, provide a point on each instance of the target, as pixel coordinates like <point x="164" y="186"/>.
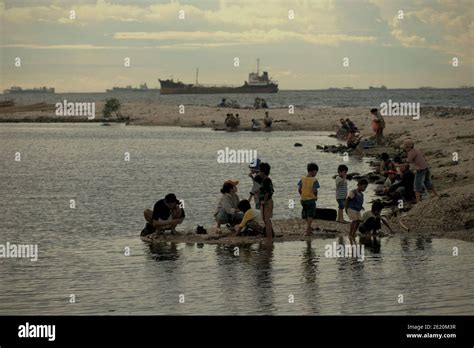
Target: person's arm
<point x="299" y="186"/>
<point x="315" y="188"/>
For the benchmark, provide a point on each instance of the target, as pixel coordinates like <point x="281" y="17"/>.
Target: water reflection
<point x="310" y="273"/>
<point x="164" y="251"/>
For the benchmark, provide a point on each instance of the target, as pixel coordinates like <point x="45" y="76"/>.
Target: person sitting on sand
<point x="264" y="104"/>
<point x="230" y="121"/>
<point x="237" y="121"/>
<point x="266" y="199"/>
<point x="352" y="140"/>
<point x="371" y="220"/>
<point x="250" y="224"/>
<point x="256" y="181"/>
<point x="352" y="126"/>
<point x="354" y="205"/>
<point x="166" y="215"/>
<point x="392" y="179"/>
<point x="267" y="120"/>
<point x="403" y="189"/>
<point x="386" y="164"/>
<point x="378" y="125"/>
<point x="308" y="189"/>
<point x="222" y="103"/>
<point x="255" y="125"/>
<point x="227" y="211"/>
<point x="423" y="173"/>
<point x="257" y="103"/>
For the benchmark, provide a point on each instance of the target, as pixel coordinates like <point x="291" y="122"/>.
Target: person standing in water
<point x="266" y="199"/>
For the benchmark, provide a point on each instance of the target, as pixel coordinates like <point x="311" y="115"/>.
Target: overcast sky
<point x="87" y="53"/>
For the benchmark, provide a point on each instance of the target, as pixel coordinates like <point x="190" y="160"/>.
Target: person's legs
<point x="419" y="183"/>
<point x="340" y="211"/>
<point x="267" y="213"/>
<point x="428" y="183"/>
<point x="148" y="214"/>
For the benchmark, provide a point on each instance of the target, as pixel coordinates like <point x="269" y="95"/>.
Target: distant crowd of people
<point x="232" y="122"/>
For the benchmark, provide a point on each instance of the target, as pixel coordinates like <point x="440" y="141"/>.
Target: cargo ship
<point x="143" y="88"/>
<point x="19" y="90"/>
<point x="256" y="84"/>
<point x="378" y="88"/>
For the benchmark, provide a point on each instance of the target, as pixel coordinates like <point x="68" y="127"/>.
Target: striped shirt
<point x="341" y="188"/>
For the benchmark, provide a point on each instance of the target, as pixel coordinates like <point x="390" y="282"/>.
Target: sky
<point x="303" y="44"/>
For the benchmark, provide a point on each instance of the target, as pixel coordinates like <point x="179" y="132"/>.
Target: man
<point x="267" y="120"/>
<point x="423" y="173"/>
<point x="166" y="215"/>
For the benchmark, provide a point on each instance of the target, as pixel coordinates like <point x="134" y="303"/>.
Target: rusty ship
<point x="256" y="84"/>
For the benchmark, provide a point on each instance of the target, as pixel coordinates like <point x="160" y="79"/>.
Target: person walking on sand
<point x="422" y="170"/>
<point x="341" y="191"/>
<point x="266" y="199"/>
<point x="378" y="125"/>
<point x="354" y="205"/>
<point x="166" y="215"/>
<point x="308" y="189"/>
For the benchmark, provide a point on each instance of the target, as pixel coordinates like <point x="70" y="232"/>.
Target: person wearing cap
<point x="166" y="215"/>
<point x="227" y="211"/>
<point x="391" y="180"/>
<point x="256" y="181"/>
<point x="422" y="170"/>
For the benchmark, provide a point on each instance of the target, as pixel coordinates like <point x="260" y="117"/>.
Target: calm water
<point x="365" y="98"/>
<point x="81" y="250"/>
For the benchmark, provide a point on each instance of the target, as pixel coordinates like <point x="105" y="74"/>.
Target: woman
<point x="227" y="211"/>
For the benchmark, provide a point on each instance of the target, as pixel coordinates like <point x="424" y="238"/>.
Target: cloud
<point x="245" y="37"/>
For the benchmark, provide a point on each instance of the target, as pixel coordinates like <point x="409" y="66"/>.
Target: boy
<point x="265" y="198"/>
<point x="308" y="189"/>
<point x="249" y="225"/>
<point x="354" y="205"/>
<point x="371" y="220"/>
<point x="341" y="191"/>
<point x="256" y="181"/>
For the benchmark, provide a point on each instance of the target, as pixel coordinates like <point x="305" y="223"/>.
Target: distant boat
<point x="143" y="88"/>
<point x="378" y="88"/>
<point x="256" y="84"/>
<point x="19" y="90"/>
<point x="348" y="88"/>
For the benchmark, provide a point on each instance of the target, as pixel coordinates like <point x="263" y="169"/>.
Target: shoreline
<point x="440" y="133"/>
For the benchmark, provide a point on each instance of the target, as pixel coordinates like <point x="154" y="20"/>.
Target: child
<point x="250" y="225"/>
<point x="371" y="219"/>
<point x="341" y="191"/>
<point x="308" y="189"/>
<point x="386" y="164"/>
<point x="265" y="198"/>
<point x="256" y="181"/>
<point x="354" y="204"/>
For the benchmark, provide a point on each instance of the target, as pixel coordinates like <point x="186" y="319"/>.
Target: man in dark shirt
<point x="404" y="188"/>
<point x="166" y="215"/>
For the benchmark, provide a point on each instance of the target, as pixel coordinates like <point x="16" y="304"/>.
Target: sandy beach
<point x="439" y="133"/>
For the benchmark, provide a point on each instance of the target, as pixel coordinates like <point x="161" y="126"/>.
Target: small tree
<point x="111" y="108"/>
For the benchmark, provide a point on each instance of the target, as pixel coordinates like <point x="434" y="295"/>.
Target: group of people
<point x="401" y="182"/>
<point x="233" y="122"/>
<point x="260" y="103"/>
